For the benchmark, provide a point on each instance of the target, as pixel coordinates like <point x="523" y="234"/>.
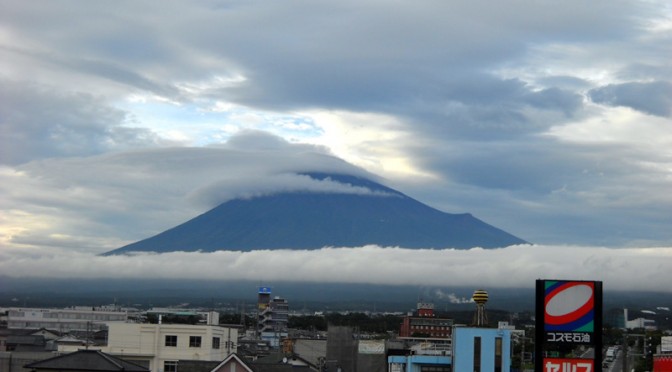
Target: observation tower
<point x="480" y="297"/>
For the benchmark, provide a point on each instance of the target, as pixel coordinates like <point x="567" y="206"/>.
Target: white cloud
<point x="220" y="192"/>
<point x="512" y="267"/>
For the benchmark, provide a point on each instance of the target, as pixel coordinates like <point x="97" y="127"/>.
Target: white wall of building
<point x="148" y="342"/>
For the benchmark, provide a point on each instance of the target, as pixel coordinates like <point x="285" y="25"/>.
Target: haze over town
<point x="551" y="121"/>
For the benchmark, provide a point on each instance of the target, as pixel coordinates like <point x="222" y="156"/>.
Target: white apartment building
<point x="63" y="320"/>
<point x="160" y="346"/>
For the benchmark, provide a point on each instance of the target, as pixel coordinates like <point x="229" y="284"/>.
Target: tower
<point x="263" y="299"/>
<point x="272" y="317"/>
<point x="480" y="297"/>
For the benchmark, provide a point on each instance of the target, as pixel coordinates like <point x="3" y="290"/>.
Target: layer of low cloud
<point x="514" y="267"/>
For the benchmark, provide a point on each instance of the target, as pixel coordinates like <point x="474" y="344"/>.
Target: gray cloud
<point x="653" y="98"/>
<point x="388" y="59"/>
<point x="646" y="71"/>
<point x="39" y="122"/>
<point x="596" y="194"/>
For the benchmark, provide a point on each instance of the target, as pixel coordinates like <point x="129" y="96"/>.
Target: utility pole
<point x="625" y="351"/>
<point x="522" y="353"/>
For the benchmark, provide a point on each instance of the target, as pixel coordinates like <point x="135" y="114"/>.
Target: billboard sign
<point x="264" y="290"/>
<point x="569" y="314"/>
<point x="662" y="363"/>
<point x="371" y="347"/>
<point x="569" y="311"/>
<point x="666" y="344"/>
<point x="568" y="365"/>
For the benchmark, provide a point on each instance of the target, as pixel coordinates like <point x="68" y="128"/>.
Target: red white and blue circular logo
<point x="569" y="306"/>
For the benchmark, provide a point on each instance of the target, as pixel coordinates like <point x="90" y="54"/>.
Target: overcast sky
<point x="550" y="120"/>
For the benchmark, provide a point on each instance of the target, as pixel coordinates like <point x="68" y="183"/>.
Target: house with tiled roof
<point x="85" y="361"/>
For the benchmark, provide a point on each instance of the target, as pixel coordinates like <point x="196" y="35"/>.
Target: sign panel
<point x="265" y="290"/>
<point x="371" y="347"/>
<point x="569" y="314"/>
<point x="568" y="365"/>
<point x="662" y="363"/>
<point x="666" y="344"/>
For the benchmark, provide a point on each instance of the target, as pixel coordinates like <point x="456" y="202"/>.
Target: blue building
<point x="481" y="349"/>
<point x="419" y="363"/>
<point x="473" y="349"/>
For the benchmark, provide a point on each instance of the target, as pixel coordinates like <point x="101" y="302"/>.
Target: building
<point x="89" y="360"/>
<point x="342" y="347"/>
<point x="63" y="320"/>
<point x="233" y="363"/>
<point x="637" y="323"/>
<point x="473" y="349"/>
<point x="160" y="347"/>
<point x="202" y="317"/>
<point x="424" y="323"/>
<point x="417" y="363"/>
<point x="312" y="350"/>
<point x="272" y="317"/>
<point x="481" y="349"/>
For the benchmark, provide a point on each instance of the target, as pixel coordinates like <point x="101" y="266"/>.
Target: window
<point x="171" y="340"/>
<point x="215" y="342"/>
<point x="194" y="341"/>
<point x="170" y="366"/>
<point x="477" y="354"/>
<point x="498" y="354"/>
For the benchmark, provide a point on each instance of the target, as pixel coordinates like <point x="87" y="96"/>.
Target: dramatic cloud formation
<point x="120" y="120"/>
<point x="111" y="200"/>
<point x="516" y="267"/>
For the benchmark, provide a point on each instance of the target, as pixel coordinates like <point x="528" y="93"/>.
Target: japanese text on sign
<point x="568" y="365"/>
<point x="575" y="337"/>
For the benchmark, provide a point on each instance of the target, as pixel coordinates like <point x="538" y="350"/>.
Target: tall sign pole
<point x="568" y="315"/>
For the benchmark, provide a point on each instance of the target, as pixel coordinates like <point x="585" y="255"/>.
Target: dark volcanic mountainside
<point x="306" y="220"/>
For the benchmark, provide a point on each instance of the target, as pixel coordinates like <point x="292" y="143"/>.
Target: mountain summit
<point x="369" y="214"/>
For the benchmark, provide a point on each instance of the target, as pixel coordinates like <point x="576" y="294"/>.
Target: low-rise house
<point x="85" y="360"/>
<point x="25" y="343"/>
<point x="233" y="363"/>
<point x="281" y="362"/>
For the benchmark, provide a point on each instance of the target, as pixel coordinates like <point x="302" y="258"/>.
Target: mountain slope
<point x="308" y="220"/>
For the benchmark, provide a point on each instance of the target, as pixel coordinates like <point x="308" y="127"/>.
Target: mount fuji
<point x="371" y="214"/>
